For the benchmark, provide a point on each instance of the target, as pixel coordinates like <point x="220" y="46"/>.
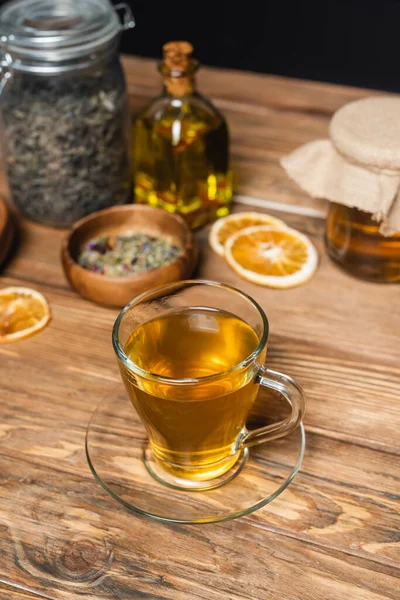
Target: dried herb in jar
<point x="129" y="254"/>
<point x="67" y="143"/>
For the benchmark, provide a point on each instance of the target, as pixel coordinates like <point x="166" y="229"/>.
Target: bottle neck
<point x="179" y="86"/>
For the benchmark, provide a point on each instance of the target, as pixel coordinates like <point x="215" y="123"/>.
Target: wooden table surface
<point x="334" y="534"/>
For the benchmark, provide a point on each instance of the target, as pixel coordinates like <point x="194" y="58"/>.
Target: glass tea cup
<point x="191" y="357"/>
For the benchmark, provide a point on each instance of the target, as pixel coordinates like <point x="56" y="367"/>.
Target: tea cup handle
<point x="292" y="392"/>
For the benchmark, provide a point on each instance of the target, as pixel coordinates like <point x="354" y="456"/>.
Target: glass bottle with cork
<point x="358" y="171"/>
<point x="181" y="146"/>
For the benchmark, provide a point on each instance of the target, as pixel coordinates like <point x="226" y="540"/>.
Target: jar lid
<point x="45" y="36"/>
<point x="359" y="166"/>
<point x="367" y="132"/>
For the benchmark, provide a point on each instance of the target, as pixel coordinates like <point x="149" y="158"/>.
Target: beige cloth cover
<point x="360" y="165"/>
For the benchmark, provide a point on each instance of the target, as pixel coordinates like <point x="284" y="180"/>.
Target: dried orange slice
<point x="279" y="258"/>
<point x="23" y="312"/>
<point x="227" y="226"/>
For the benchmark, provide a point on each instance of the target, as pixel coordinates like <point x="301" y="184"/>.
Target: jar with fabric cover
<point x="358" y="171"/>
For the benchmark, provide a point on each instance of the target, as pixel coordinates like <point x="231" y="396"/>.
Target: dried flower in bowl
<point x="128" y="254"/>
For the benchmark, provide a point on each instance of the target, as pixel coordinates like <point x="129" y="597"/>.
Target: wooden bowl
<point x="118" y="291"/>
<point x="7" y="230"/>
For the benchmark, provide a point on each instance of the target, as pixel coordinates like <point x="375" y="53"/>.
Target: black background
<point x="355" y="42"/>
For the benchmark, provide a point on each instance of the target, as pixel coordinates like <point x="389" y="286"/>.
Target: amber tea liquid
<point x="193" y="427"/>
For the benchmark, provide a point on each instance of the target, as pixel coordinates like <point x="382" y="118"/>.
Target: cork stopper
<point x="177" y="56"/>
<point x="178" y="67"/>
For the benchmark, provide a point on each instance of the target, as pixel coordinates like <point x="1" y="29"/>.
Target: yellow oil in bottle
<point x="181" y="147"/>
<point x="354" y="242"/>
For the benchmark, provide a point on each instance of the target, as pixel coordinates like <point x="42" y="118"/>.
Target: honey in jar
<point x="354" y="242"/>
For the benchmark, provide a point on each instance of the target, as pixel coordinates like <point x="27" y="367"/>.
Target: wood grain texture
<point x="14" y="593"/>
<point x="334" y="534"/>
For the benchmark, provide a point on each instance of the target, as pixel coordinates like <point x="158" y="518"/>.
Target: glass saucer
<point x="118" y="455"/>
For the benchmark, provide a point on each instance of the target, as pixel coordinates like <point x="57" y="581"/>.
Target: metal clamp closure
<point x="127" y="18"/>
